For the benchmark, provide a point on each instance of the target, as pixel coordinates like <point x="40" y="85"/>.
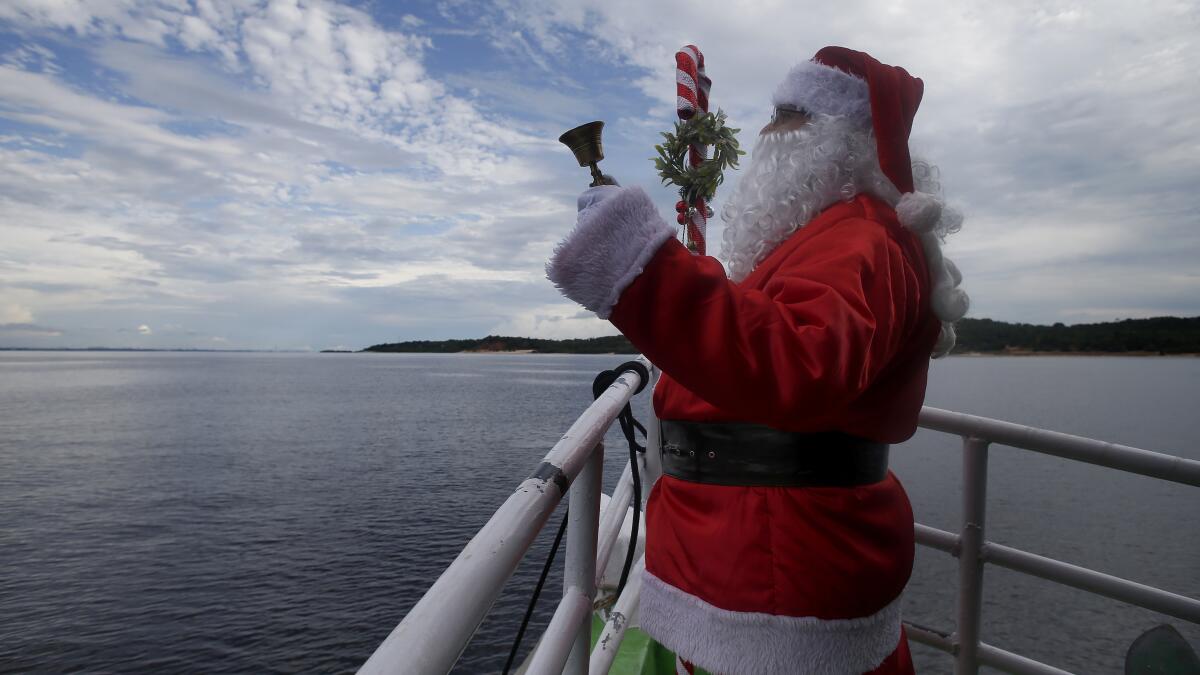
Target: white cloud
<point x="21" y="331"/>
<point x="561" y="321"/>
<point x="316" y="172"/>
<point x="270" y="162"/>
<point x="17" y="323"/>
<point x="13" y="313"/>
<point x="1062" y="134"/>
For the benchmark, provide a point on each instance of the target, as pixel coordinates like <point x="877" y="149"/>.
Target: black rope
<point x="602" y="382"/>
<point x="628" y="424"/>
<point x="512" y="653"/>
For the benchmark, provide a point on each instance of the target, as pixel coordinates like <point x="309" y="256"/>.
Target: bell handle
<point x="599" y="178"/>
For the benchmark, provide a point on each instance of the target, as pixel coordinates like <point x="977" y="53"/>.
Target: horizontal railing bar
<point x="612" y="519"/>
<point x="935" y="538"/>
<point x="1151" y="598"/>
<point x="1141" y="595"/>
<point x="575" y="446"/>
<point x="556" y="642"/>
<point x="929" y="637"/>
<point x="989" y="655"/>
<point x="438" y="628"/>
<point x="1079" y="448"/>
<point x="1015" y="663"/>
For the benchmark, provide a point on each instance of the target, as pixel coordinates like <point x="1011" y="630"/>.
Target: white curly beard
<point x="792" y="177"/>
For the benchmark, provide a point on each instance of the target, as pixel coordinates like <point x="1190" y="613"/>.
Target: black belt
<point x="757" y="455"/>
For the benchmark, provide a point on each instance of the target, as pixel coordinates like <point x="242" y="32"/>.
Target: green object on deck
<point x="638" y="655"/>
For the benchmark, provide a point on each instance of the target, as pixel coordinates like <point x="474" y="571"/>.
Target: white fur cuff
<point x="825" y="90"/>
<point x="609" y="247"/>
<point x="753" y="643"/>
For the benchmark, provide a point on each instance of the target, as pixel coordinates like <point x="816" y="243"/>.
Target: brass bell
<point x="584" y="142"/>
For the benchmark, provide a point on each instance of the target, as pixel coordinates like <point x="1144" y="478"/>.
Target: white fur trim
<point x="609" y="247"/>
<point x="825" y="90"/>
<point x="753" y="643"/>
<point x="919" y="211"/>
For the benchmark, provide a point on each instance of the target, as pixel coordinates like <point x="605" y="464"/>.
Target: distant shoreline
<point x="964" y="354"/>
<point x="1015" y="353"/>
<point x="1131" y="337"/>
<point x="498" y="351"/>
<point x="1159" y="336"/>
<point x="972" y="354"/>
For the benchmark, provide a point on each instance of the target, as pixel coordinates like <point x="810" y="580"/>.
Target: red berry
<point x="680" y="206"/>
<point x="682" y="219"/>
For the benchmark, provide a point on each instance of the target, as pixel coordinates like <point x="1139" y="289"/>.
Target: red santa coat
<point x="831" y="332"/>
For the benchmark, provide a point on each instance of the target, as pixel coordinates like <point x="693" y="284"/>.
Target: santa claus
<point x="777" y="541"/>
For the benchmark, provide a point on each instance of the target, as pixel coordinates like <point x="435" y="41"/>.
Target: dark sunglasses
<point x="785" y="113"/>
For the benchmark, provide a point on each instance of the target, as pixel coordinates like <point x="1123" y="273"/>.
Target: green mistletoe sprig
<point x="698" y="182"/>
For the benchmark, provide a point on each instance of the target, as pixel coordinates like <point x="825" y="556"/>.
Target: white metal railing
<point x="437" y="629"/>
<point x="972" y="550"/>
<point x="433" y="634"/>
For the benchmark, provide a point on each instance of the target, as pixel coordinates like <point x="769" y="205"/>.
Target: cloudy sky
<point x="241" y="174"/>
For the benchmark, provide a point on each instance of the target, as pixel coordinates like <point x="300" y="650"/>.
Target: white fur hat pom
<point x="919" y="211"/>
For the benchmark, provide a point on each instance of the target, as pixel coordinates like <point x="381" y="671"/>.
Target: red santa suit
<point x="832" y="331"/>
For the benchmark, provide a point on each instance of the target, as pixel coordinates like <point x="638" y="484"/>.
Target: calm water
<point x="262" y="513"/>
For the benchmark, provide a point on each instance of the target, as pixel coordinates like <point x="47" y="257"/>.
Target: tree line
<point x="615" y="344"/>
<point x="1161" y="335"/>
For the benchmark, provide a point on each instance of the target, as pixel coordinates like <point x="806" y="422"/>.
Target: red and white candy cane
<point x="691" y="94"/>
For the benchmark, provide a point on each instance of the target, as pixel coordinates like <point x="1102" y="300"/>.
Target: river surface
<point x="234" y="513"/>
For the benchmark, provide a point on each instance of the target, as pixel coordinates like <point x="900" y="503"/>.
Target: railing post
<point x="582" y="527"/>
<point x="970" y="561"/>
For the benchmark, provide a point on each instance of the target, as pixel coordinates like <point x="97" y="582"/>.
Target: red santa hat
<point x="853" y="85"/>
